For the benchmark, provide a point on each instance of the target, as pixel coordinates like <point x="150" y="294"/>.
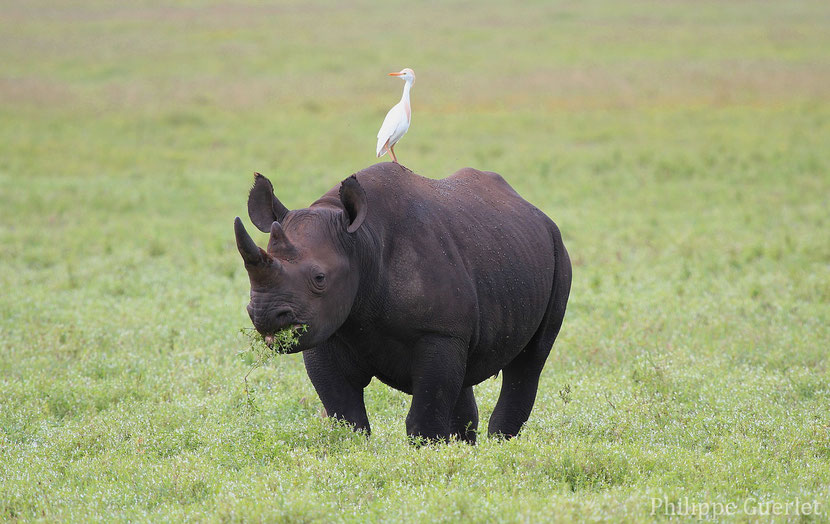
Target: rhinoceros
<point x="431" y="286"/>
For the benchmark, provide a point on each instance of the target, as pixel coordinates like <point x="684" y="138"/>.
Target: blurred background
<point x="681" y="146"/>
<point x="162" y="112"/>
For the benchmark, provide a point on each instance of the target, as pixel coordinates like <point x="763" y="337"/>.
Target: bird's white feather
<point x="390" y="129"/>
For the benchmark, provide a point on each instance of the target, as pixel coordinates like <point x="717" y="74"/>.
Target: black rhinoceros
<point x="429" y="285"/>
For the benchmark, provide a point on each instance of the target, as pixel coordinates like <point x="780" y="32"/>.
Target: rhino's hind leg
<point x="464" y="425"/>
<point x="520" y="378"/>
<point x="339" y="387"/>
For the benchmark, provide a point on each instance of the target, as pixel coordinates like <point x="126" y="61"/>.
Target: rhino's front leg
<point x="465" y="416"/>
<point x="437" y="380"/>
<point x="339" y="383"/>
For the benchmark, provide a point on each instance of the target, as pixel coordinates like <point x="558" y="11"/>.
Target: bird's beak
<point x="396" y="74"/>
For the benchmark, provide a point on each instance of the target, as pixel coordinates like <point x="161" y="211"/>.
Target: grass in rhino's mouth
<point x="260" y="351"/>
<point x="263" y="348"/>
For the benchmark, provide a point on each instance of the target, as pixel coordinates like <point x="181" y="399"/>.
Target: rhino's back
<point x="395" y="193"/>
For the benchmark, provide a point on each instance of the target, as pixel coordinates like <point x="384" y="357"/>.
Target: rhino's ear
<point x="354" y="202"/>
<point x="264" y="207"/>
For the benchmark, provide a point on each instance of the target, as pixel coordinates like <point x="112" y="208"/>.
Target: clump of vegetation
<point x="281" y="342"/>
<point x="259" y="352"/>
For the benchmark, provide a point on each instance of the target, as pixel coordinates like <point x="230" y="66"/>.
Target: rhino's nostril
<point x="283" y="316"/>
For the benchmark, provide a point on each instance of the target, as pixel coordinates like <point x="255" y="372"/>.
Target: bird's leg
<point x="392" y="152"/>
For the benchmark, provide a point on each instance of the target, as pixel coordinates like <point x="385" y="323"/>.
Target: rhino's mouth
<point x="296" y="332"/>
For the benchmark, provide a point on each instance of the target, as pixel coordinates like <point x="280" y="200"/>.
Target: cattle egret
<point x="398" y="118"/>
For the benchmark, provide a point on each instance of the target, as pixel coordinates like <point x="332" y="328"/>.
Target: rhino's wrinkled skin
<point x="431" y="286"/>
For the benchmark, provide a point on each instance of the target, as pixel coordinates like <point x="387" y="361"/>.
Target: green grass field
<point x="682" y="147"/>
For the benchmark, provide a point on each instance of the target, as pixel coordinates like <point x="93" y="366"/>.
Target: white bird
<point x="397" y="119"/>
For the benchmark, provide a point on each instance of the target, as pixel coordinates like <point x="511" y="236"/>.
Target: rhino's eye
<point x="319" y="281"/>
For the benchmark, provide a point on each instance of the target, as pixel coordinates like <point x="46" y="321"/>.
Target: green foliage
<point x="680" y="146"/>
<point x="260" y="353"/>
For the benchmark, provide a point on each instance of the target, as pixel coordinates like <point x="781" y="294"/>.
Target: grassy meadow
<point x="683" y="148"/>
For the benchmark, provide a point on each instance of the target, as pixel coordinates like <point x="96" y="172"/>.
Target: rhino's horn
<point x="279" y="243"/>
<point x="251" y="253"/>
